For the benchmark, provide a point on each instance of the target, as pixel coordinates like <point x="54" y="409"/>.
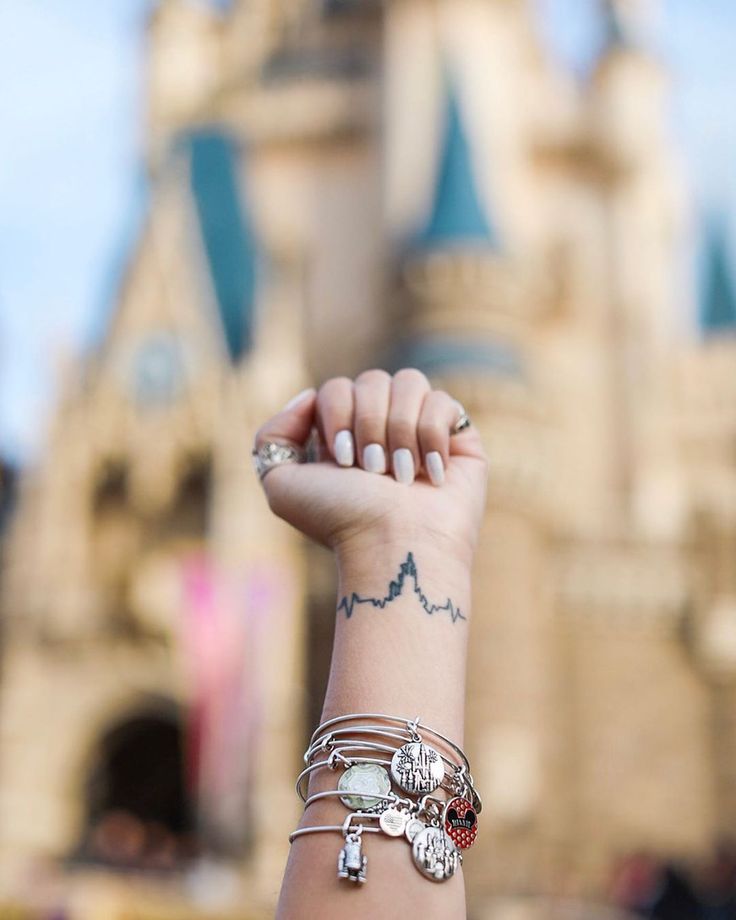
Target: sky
<point x="71" y="186"/>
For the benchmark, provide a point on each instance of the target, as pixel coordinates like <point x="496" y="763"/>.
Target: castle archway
<point x="140" y="814"/>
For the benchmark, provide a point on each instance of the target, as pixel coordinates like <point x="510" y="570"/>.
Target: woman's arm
<point x="404" y="554"/>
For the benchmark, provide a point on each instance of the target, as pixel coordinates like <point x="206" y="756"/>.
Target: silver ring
<point x="271" y="454"/>
<point x="463" y="422"/>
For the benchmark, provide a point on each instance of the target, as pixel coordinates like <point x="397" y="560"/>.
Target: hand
<point x="436" y="486"/>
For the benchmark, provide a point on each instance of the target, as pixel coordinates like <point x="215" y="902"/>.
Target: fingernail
<point x="435" y="467"/>
<point x="300" y="397"/>
<point x="344" y="448"/>
<point x="404" y="466"/>
<point x="374" y="458"/>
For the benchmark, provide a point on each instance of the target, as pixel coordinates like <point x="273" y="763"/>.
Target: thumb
<point x="293" y="424"/>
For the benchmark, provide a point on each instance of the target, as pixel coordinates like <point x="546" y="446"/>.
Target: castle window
<point x="188" y="516"/>
<point x="111" y="490"/>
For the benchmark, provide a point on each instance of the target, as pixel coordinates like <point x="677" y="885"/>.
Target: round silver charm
<point x="417" y="768"/>
<point x="435" y="855"/>
<point x="413" y="827"/>
<point x="361" y="783"/>
<point x="393" y="822"/>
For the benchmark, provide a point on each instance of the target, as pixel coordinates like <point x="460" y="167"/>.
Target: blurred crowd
<point x="123" y="841"/>
<point x="647" y="886"/>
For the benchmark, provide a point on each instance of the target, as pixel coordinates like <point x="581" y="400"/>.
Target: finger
<point x="438" y="416"/>
<point x="372" y="398"/>
<point x="409" y="388"/>
<point x="466" y="443"/>
<point x="335" y="419"/>
<point x="293" y="424"/>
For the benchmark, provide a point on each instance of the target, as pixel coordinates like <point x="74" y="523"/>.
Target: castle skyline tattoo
<point x="407" y="569"/>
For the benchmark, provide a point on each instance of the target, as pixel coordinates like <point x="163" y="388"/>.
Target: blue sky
<point x="70" y="177"/>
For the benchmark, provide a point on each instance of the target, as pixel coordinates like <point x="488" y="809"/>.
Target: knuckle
<point x="442" y="400"/>
<point x="334" y="384"/>
<point x="433" y="429"/>
<point x="402" y="430"/>
<point x="370" y="420"/>
<point x="375" y="375"/>
<point x="412" y="376"/>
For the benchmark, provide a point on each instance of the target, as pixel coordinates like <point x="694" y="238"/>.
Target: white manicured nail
<point x="344" y="448"/>
<point x="374" y="458"/>
<point x="300" y="397"/>
<point x="435" y="467"/>
<point x="404" y="466"/>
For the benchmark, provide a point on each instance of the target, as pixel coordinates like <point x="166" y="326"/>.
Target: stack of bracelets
<point x="393" y="782"/>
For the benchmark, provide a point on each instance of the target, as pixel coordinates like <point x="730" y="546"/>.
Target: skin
<point x="406" y="658"/>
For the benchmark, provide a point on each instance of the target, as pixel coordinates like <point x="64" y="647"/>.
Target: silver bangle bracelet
<point x="346" y="736"/>
<point x="323" y="763"/>
<point x="346" y="757"/>
<point x="353" y="744"/>
<point x="350" y="744"/>
<point x="392" y="798"/>
<point x="324" y="742"/>
<point x="411" y="724"/>
<point x="326" y="828"/>
<point x="461" y="782"/>
<point x="405" y="779"/>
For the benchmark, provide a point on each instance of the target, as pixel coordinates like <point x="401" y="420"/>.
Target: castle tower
<point x="469" y="296"/>
<point x="620" y="637"/>
<point x="706" y="402"/>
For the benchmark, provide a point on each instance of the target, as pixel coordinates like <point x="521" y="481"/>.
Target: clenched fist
<point x="389" y="467"/>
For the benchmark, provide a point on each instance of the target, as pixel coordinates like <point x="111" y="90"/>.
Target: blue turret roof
<point x="227" y="234"/>
<point x="457" y="215"/>
<point x="616" y="33"/>
<point x="718" y="292"/>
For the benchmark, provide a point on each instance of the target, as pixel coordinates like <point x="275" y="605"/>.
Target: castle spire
<point x="617" y="31"/>
<point x="457" y="215"/>
<point x="718" y="291"/>
<point x="226" y="234"/>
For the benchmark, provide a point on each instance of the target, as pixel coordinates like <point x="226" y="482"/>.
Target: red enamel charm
<point x="461" y="822"/>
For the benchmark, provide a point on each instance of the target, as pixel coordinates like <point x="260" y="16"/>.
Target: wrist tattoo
<point x="408" y="569"/>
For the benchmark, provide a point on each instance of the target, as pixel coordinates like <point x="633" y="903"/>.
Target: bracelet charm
<point x="435" y="855"/>
<point x="396" y="784"/>
<point x="351" y="863"/>
<point x="393" y="822"/>
<point x="413" y="827"/>
<point x="460" y="822"/>
<point x="417" y="768"/>
<point x="364" y="784"/>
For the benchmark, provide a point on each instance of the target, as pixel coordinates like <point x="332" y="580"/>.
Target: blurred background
<point x="206" y="207"/>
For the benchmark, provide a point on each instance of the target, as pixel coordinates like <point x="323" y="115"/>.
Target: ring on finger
<point x="463" y="422"/>
<point x="272" y="454"/>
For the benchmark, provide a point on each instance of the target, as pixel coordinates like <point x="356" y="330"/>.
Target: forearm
<point x="400" y="644"/>
<point x="408" y="657"/>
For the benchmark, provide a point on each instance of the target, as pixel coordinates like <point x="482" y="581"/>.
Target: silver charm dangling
<point x="351" y="863"/>
<point x="435" y="855"/>
<point x="417" y="768"/>
<point x="393" y="821"/>
<point x="413" y="827"/>
<point x="365" y="787"/>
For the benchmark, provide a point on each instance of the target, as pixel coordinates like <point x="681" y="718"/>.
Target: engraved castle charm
<point x="417" y="768"/>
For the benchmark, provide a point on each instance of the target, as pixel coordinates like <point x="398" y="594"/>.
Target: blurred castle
<point x="340" y="184"/>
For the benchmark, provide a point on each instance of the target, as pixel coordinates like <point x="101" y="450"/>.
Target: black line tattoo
<point x="395" y="589"/>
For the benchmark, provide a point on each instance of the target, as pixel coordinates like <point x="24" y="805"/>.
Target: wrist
<point x="388" y="546"/>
